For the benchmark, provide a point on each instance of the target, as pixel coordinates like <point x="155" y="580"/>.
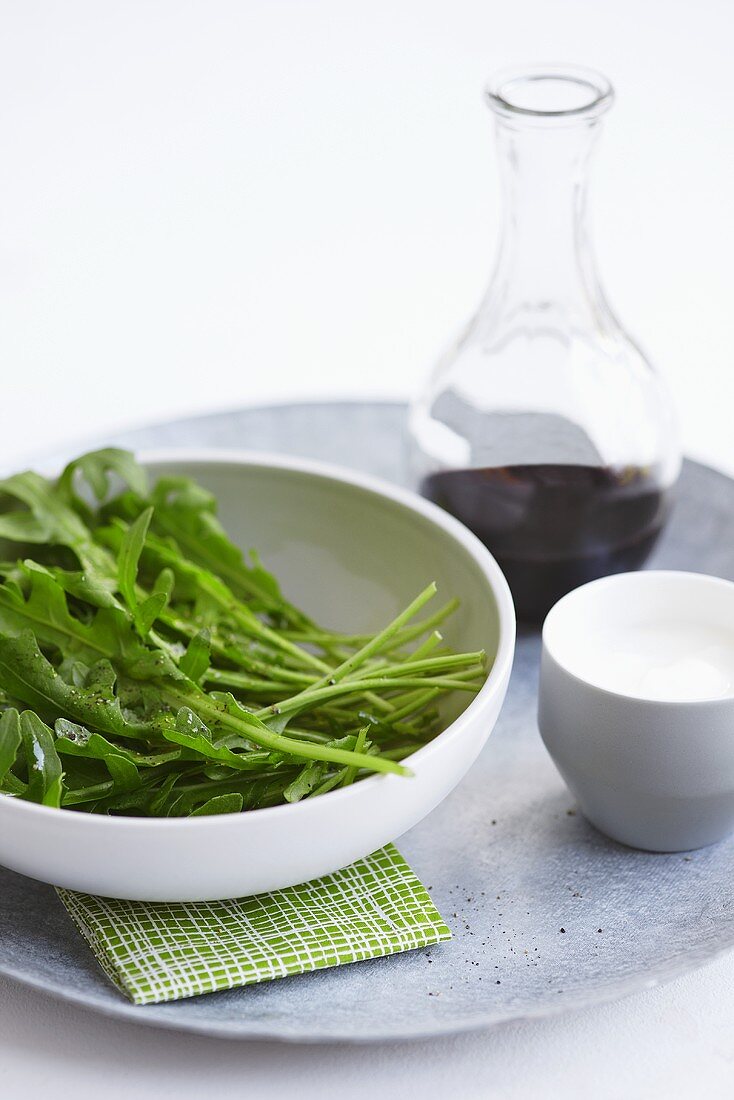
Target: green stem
<point x="457" y="660"/>
<point x="208" y="709"/>
<point x="374" y="644"/>
<point x="331" y="691"/>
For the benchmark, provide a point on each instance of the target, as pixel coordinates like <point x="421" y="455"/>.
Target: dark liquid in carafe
<point x="554" y="527"/>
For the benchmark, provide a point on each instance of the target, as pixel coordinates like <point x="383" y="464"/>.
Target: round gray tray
<point x="546" y="913"/>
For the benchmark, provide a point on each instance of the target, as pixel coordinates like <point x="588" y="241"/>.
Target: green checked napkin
<point x="156" y="952"/>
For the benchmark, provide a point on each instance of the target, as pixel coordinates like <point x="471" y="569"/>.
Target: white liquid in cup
<point x="673" y="662"/>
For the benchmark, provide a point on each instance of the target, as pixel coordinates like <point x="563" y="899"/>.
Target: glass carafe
<point x="544" y="428"/>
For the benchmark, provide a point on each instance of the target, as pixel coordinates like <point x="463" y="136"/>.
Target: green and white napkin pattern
<point x="157" y="952"/>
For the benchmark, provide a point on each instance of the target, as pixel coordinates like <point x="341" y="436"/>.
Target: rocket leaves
<point x="10" y="739"/>
<point x="42" y="761"/>
<point x="94" y="471"/>
<point x="124" y="608"/>
<point x="29" y="677"/>
<point x="195" y="660"/>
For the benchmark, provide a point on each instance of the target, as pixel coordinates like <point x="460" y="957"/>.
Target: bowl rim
<point x="412" y="502"/>
<point x="640" y="576"/>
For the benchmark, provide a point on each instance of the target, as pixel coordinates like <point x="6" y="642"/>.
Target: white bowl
<point x="647" y="748"/>
<point x="352" y="551"/>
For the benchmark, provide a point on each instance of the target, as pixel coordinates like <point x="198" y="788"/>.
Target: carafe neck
<point x="547" y="127"/>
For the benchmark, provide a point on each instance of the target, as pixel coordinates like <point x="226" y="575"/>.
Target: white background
<point x="215" y="203"/>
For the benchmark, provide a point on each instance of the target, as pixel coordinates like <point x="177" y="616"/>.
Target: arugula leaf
<point x="153" y="607"/>
<point x="89" y="589"/>
<point x="95" y="468"/>
<point x="30" y="677"/>
<point x="220" y="804"/>
<point x="131" y="547"/>
<point x="50" y="520"/>
<point x="307" y="779"/>
<point x="102" y="796"/>
<point x="124" y="773"/>
<point x="10" y="739"/>
<point x="43" y="608"/>
<point x="44" y="767"/>
<point x="73" y="739"/>
<point x="195" y="660"/>
<point x="129" y="555"/>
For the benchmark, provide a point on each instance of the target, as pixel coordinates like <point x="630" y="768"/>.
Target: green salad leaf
<point x="149" y="667"/>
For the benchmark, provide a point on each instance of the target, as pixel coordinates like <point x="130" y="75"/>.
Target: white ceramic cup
<point x="653" y="773"/>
